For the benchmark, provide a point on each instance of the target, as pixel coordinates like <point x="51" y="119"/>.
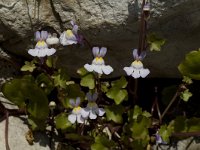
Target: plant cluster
<point x="92" y="113"/>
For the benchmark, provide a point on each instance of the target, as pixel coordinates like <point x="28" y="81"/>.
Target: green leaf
<point x="118" y="95"/>
<point x="114" y="113"/>
<point x="60" y="78"/>
<point x="58" y="81"/>
<point x="117" y="91"/>
<point x="45" y="83"/>
<point x="185" y="95"/>
<point x="146" y="114"/>
<point x="102" y="143"/>
<point x="82" y="71"/>
<point x="49" y="62"/>
<point x="24" y="92"/>
<point x="62" y="122"/>
<point x="121" y="83"/>
<point x="88" y="81"/>
<point x="155" y="42"/>
<point x="104" y="86"/>
<point x="137" y="111"/>
<point x="190" y="66"/>
<point x="165" y="132"/>
<point x="140" y="128"/>
<point x="29" y="66"/>
<point x="187" y="80"/>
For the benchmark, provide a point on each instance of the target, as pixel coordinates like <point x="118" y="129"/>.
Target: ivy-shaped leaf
<point x="24" y="92"/>
<point x="121" y="83"/>
<point x="104" y="86"/>
<point x="88" y="81"/>
<point x="82" y="71"/>
<point x="58" y="81"/>
<point x="114" y="113"/>
<point x="187" y="80"/>
<point x="155" y="42"/>
<point x="185" y="95"/>
<point x="117" y="94"/>
<point x="29" y="66"/>
<point x="102" y="143"/>
<point x="165" y="132"/>
<point x="136" y="112"/>
<point x="117" y="91"/>
<point x="140" y="128"/>
<point x="62" y="122"/>
<point x="190" y="66"/>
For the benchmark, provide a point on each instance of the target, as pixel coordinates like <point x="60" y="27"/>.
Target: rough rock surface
<point x="111" y="23"/>
<point x="16" y="133"/>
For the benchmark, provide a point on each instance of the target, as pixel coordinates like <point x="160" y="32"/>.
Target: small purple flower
<point x="70" y="37"/>
<point x="41" y="48"/>
<point x="136" y="69"/>
<point x="92" y="109"/>
<point x="98" y="64"/>
<point x="76" y="114"/>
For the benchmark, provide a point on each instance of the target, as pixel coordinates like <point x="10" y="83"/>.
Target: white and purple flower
<point x="70" y="37"/>
<point x="98" y="64"/>
<point x="41" y="48"/>
<point x="92" y="109"/>
<point x="77" y="112"/>
<point x="136" y="69"/>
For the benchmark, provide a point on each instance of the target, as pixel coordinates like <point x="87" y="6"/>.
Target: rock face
<point x="17" y="130"/>
<point x="109" y="23"/>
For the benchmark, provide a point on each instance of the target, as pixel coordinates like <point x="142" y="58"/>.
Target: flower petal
<point x="144" y="72"/>
<point x="37" y="35"/>
<point x="50" y="51"/>
<point x="95" y="51"/>
<point x="135" y="54"/>
<point x="85" y="112"/>
<point x="92" y="115"/>
<point x="98" y="69"/>
<point x="94" y="97"/>
<point x="72" y="102"/>
<point x="75" y="29"/>
<point x="72" y="118"/>
<point x="89" y="96"/>
<point x="100" y="111"/>
<point x="44" y="35"/>
<point x="136" y="73"/>
<point x="128" y="70"/>
<point x="103" y="51"/>
<point x="142" y="55"/>
<point x="42" y="52"/>
<point x="33" y="52"/>
<point x="80" y="119"/>
<point x="107" y="69"/>
<point x="78" y="101"/>
<point x="89" y="67"/>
